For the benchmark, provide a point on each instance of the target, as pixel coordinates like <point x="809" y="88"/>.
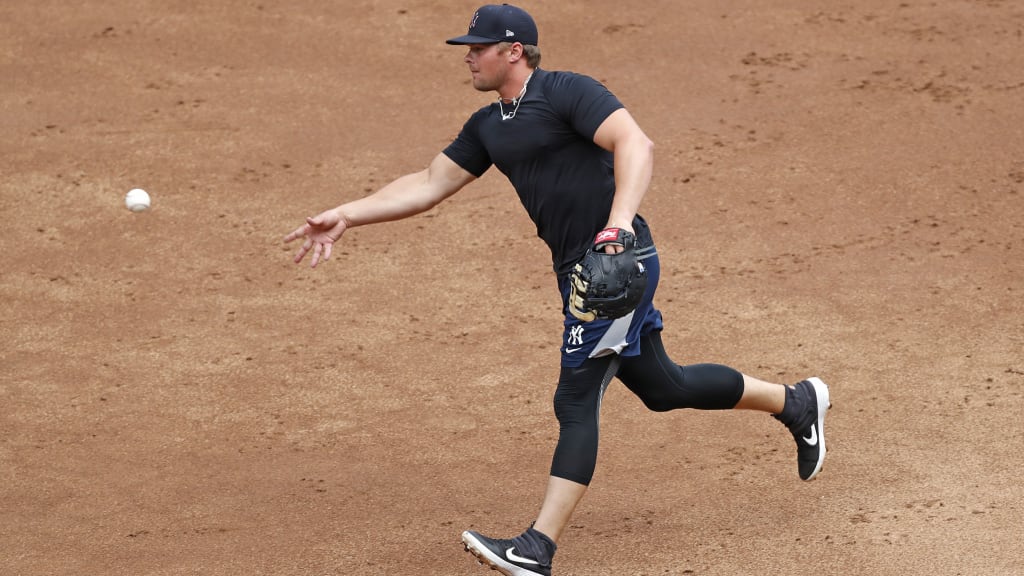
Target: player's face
<point x="488" y="66"/>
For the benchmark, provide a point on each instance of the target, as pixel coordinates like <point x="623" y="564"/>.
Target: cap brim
<point x="470" y="39"/>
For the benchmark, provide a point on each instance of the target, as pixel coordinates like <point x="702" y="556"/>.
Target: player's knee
<point x="700" y="387"/>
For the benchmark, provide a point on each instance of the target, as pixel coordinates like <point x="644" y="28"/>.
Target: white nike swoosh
<point x="571" y="350"/>
<point x="814" y="436"/>
<point x="511" y="555"/>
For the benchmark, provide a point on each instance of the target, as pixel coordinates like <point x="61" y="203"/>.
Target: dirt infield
<point x="839" y="191"/>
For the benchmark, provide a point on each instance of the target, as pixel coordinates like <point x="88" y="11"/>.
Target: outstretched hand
<point x="320" y="233"/>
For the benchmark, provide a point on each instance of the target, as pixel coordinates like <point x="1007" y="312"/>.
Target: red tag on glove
<point x="607" y="235"/>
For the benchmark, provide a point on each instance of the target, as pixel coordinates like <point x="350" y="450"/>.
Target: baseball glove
<point x="606" y="285"/>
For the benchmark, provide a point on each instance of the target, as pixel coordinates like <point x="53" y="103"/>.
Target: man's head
<point x="502" y="43"/>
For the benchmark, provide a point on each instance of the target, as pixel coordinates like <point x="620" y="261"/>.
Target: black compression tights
<point x="659" y="382"/>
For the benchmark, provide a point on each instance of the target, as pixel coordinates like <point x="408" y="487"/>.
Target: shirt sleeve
<point x="582" y="101"/>
<point x="467" y="150"/>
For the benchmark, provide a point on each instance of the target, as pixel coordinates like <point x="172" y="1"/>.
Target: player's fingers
<point x="297" y="233"/>
<point x="613" y="249"/>
<point x="301" y="253"/>
<point x="328" y="248"/>
<point x="317" y="251"/>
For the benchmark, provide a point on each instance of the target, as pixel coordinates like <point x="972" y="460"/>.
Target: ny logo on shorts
<point x="576" y="335"/>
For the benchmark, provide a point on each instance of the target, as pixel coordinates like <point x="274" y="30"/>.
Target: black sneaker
<point x="516" y="557"/>
<point x="804" y="415"/>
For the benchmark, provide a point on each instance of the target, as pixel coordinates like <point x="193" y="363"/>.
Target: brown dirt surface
<point x="839" y="191"/>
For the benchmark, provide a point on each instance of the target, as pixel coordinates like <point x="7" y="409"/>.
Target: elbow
<point x="635" y="145"/>
<point x="646" y="145"/>
<point x="638" y="140"/>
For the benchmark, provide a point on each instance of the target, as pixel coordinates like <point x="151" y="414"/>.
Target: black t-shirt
<point x="564" y="180"/>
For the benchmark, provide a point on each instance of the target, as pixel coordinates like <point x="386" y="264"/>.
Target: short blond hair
<point x="531" y="52"/>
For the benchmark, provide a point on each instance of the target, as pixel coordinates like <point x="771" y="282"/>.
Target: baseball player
<point x="580" y="165"/>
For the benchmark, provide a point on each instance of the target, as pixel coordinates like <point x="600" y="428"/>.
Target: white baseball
<point x="137" y="200"/>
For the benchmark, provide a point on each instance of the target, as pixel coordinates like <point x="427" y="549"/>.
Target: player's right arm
<point x="407" y="196"/>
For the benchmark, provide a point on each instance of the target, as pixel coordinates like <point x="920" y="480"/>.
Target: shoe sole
<point x="824" y="403"/>
<point x="490" y="559"/>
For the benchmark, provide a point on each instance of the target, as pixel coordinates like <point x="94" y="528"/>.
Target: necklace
<point x="515" y="101"/>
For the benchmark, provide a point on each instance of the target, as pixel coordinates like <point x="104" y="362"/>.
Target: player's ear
<point x="515" y="52"/>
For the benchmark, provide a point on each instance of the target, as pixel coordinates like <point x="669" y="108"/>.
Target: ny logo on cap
<point x="472" y="23"/>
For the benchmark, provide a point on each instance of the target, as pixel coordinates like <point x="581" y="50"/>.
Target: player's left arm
<point x="634" y="163"/>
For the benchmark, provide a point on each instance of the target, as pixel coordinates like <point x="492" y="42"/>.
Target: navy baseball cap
<point x="493" y="23"/>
